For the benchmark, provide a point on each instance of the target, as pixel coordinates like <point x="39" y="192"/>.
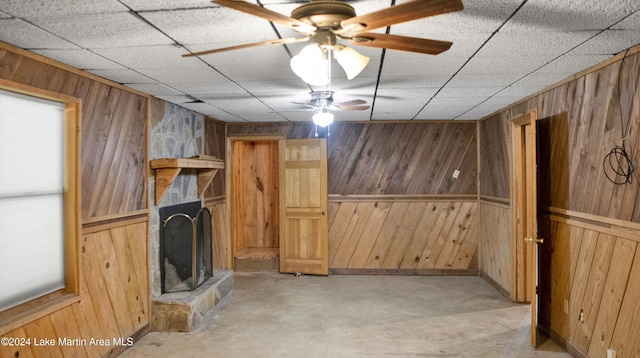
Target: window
<point x="38" y="197"/>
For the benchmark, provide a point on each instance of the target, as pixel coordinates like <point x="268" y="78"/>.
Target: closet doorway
<point x="255" y="203"/>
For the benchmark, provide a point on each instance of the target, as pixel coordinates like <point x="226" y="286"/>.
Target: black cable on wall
<point x="617" y="165"/>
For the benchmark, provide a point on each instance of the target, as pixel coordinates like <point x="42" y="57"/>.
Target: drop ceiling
<point x="503" y="51"/>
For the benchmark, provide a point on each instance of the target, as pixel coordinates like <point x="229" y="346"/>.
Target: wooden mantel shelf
<point x="167" y="170"/>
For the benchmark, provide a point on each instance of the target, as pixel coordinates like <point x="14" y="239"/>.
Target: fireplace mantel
<point x="167" y="170"/>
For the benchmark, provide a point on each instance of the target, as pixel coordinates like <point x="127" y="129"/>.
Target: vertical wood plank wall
<point x="394" y="205"/>
<point x="589" y="263"/>
<point x="215" y="196"/>
<point x="114" y="290"/>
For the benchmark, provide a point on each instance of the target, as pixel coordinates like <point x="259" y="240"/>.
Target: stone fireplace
<point x="178" y="133"/>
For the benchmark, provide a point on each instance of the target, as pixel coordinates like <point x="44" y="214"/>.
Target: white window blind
<point x="31" y="198"/>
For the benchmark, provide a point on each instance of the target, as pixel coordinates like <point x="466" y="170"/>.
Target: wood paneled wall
<point x="214" y="145"/>
<point x="390" y="158"/>
<point x="394" y="204"/>
<point x="593" y="268"/>
<point x="589" y="224"/>
<point x="113" y="132"/>
<point x="215" y="198"/>
<point x="495" y="246"/>
<point x="113" y="270"/>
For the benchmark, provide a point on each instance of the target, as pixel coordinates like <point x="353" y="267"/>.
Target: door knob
<point x="538" y="240"/>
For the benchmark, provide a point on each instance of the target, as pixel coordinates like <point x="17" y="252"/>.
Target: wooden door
<point x="255" y="195"/>
<point x="525" y="209"/>
<point x="303" y="207"/>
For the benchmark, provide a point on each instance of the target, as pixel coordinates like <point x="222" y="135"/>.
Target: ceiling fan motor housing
<point x="324" y="14"/>
<point x="321" y="98"/>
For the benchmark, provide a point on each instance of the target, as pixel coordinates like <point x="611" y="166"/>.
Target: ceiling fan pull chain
<point x="316" y="130"/>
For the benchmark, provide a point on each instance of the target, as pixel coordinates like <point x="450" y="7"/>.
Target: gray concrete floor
<point x="277" y="315"/>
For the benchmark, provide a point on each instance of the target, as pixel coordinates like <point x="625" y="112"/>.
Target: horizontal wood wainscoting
<point x="403" y="234"/>
<point x="592" y="291"/>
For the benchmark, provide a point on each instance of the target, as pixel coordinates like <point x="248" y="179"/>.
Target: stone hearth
<point x="184" y="311"/>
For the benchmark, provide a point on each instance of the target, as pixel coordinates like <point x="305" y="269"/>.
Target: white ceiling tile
<point x="572" y="63"/>
<point x="242" y="72"/>
<point x="194" y="74"/>
<point x="38" y="8"/>
<point x="341" y="84"/>
<point x="22" y="34"/>
<point x="351" y="116"/>
<point x="486" y="108"/>
<point x="146" y="5"/>
<point x="154" y="89"/>
<point x="468" y="92"/>
<point x="525" y="43"/>
<point x="490" y="65"/>
<point x="166" y="57"/>
<point x="515" y="93"/>
<point x="609" y="42"/>
<point x="447" y="108"/>
<point x="202" y="90"/>
<point x="413" y="82"/>
<point x="386" y="105"/>
<point x="212" y="111"/>
<point x="632" y="22"/>
<point x="254" y="55"/>
<point x="584" y="15"/>
<point x="296" y="116"/>
<point x="246" y="107"/>
<point x="120" y="29"/>
<point x="278" y="86"/>
<point x="504" y="64"/>
<point x="123" y="76"/>
<point x="422" y="66"/>
<point x="211" y="25"/>
<point x="180" y="100"/>
<point x="482" y="80"/>
<point x="541" y="80"/>
<point x="479" y="16"/>
<point x="82" y="59"/>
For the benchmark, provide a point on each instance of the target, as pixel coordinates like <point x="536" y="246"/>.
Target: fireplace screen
<point x="186" y="252"/>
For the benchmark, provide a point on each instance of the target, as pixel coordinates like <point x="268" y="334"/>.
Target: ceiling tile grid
<point x="503" y="51"/>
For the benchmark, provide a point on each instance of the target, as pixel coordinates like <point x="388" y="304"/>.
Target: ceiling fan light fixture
<point x="311" y="65"/>
<point x="323" y="118"/>
<point x="350" y="60"/>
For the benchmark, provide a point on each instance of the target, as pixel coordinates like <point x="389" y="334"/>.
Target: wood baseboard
<point x="503" y="291"/>
<point x="405" y="272"/>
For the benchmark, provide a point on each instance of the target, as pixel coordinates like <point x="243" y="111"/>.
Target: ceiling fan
<point x="324" y="21"/>
<point x="322" y="104"/>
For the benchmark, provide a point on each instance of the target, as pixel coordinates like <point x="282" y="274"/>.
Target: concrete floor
<point x="276" y="315"/>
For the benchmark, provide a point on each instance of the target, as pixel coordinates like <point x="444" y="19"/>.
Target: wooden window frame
<point x="22" y="314"/>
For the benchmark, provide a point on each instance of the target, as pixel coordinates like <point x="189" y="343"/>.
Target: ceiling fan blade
<point x="351" y="108"/>
<point x="286" y="40"/>
<point x="267" y="14"/>
<point x="401" y="43"/>
<point x="409" y="11"/>
<point x="353" y="102"/>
